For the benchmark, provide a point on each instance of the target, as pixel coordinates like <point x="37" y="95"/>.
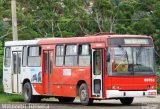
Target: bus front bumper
<point x="120" y="94"/>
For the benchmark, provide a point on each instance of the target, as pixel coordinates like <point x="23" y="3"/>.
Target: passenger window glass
<point x="34" y="51"/>
<point x="71" y="50"/>
<point x="59" y="55"/>
<point x="60" y="50"/>
<point x="24" y="56"/>
<point x="84" y="49"/>
<point x="50" y="62"/>
<point x="46" y="62"/>
<point x="34" y="56"/>
<point x="15" y="63"/>
<point x="71" y="55"/>
<point x="7" y="60"/>
<point x="84" y="55"/>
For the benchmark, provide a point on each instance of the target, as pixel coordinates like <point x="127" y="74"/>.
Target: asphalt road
<point x="138" y="103"/>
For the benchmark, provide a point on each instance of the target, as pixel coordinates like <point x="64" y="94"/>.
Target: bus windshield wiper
<point x="124" y="53"/>
<point x="139" y="52"/>
<point x="137" y="56"/>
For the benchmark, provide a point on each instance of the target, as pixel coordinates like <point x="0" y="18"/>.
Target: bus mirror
<point x="108" y="57"/>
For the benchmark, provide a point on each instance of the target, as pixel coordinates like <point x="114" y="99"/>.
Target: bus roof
<point x="88" y="38"/>
<point x="21" y="42"/>
<point x="85" y="39"/>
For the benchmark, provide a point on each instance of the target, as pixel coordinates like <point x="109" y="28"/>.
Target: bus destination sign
<point x="136" y="41"/>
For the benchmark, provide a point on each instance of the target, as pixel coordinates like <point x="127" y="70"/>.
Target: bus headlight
<point x="150" y="87"/>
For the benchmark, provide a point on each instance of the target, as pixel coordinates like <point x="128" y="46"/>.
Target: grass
<point x="5" y="98"/>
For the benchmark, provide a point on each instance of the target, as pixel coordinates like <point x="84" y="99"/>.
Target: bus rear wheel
<point x="66" y="99"/>
<point x="126" y="101"/>
<point x="84" y="96"/>
<point x="27" y="94"/>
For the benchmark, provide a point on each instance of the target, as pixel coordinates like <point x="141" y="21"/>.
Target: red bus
<point x="94" y="67"/>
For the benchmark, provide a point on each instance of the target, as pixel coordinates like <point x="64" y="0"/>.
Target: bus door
<point x="48" y="69"/>
<point x="97" y="72"/>
<point x="16" y="85"/>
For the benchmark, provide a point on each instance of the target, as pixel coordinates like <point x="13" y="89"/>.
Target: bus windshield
<point x="131" y="61"/>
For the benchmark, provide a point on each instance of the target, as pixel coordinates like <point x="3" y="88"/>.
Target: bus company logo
<point x="149" y="80"/>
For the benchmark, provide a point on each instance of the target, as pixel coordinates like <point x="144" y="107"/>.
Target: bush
<point x="158" y="88"/>
<point x="158" y="78"/>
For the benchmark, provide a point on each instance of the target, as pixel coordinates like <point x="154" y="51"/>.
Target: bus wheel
<point x="126" y="101"/>
<point x="27" y="93"/>
<point x="84" y="96"/>
<point x="66" y="99"/>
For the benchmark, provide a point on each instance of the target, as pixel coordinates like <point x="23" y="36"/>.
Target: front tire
<point x="84" y="96"/>
<point x="126" y="101"/>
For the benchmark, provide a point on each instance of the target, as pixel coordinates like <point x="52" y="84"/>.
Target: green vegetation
<point x="66" y="18"/>
<point x="4" y="98"/>
<point x="158" y="88"/>
<point x="158" y="79"/>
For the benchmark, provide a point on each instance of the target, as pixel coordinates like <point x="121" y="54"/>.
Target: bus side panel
<point x="63" y="84"/>
<point x="7" y="80"/>
<point x="37" y="88"/>
<point x="65" y="80"/>
<point x="35" y="76"/>
<point x="7" y="76"/>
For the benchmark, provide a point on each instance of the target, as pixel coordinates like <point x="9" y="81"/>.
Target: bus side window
<point x="34" y="54"/>
<point x="71" y="55"/>
<point x="7" y="60"/>
<point x="24" y="63"/>
<point x="84" y="55"/>
<point x="59" y="55"/>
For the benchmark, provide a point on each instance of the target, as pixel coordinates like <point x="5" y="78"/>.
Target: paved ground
<point x="139" y="103"/>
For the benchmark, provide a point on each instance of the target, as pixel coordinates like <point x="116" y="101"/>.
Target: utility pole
<point x="14" y="20"/>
